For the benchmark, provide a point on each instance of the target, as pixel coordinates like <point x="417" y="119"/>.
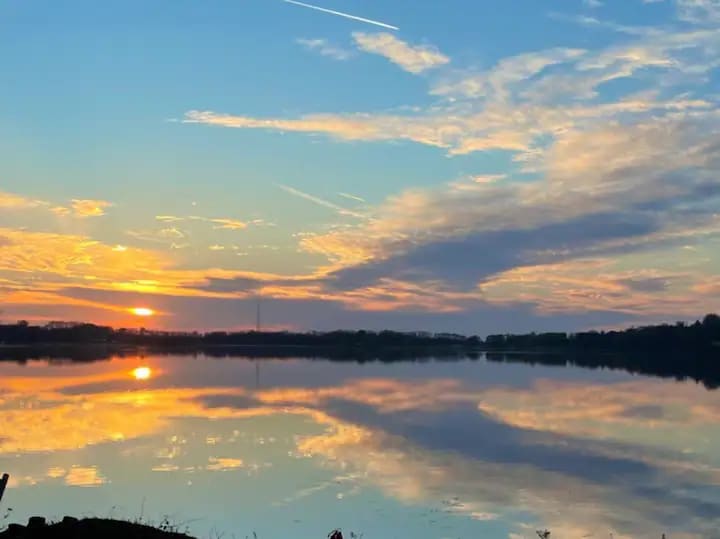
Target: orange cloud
<point x="222" y="464"/>
<point x="11" y="201"/>
<point x="80" y="476"/>
<point x="78" y="207"/>
<point x="89" y="207"/>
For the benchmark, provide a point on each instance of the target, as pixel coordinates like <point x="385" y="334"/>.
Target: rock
<point x="36" y="522"/>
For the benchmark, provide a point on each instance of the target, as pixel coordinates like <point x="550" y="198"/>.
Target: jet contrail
<point x="341" y="14"/>
<point x="321" y="202"/>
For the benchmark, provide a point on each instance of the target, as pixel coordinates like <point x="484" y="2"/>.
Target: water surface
<point x="292" y="448"/>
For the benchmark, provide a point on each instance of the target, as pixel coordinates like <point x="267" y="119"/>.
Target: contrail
<point x="321" y="202"/>
<point x="341" y="14"/>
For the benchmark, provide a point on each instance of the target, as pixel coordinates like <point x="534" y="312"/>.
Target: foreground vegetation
<point x="106" y="528"/>
<point x="90" y="528"/>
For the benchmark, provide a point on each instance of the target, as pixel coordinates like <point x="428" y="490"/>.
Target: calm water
<point x="293" y="448"/>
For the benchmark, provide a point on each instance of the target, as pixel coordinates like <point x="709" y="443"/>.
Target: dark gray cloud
<point x="649" y="411"/>
<point x="654" y="284"/>
<point x="237" y="402"/>
<point x="463" y="262"/>
<point x="249" y="284"/>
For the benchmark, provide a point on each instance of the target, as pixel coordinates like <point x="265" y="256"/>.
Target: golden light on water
<point x="142" y="311"/>
<point x="142" y="373"/>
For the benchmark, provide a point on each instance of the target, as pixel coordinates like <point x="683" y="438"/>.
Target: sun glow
<point x="142" y="373"/>
<point x="142" y="311"/>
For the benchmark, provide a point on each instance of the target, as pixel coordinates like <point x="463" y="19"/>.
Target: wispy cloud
<point x="225" y="224"/>
<point x="488" y="178"/>
<point x="13" y="201"/>
<point x="341" y="14"/>
<point x="513" y="127"/>
<point x="700" y="11"/>
<point x="496" y="82"/>
<point x="89" y="208"/>
<point x="169" y="218"/>
<point x="411" y="58"/>
<point x="218" y="222"/>
<point x="325" y="48"/>
<point x="171" y="233"/>
<point x="77" y="207"/>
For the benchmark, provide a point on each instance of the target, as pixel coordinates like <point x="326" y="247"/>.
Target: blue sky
<point x="486" y="167"/>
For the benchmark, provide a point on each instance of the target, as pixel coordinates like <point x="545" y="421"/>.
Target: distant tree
<point x="711" y="321"/>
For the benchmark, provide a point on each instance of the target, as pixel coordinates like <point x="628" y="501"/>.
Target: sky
<point x="463" y="166"/>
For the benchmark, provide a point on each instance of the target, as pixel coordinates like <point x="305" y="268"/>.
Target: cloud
<point x="488" y="178"/>
<point x="222" y="464"/>
<point x="169" y="218"/>
<point x="413" y="59"/>
<point x="323" y="47"/>
<point x="172" y="233"/>
<point x="622" y="186"/>
<point x="69" y="256"/>
<point x="516" y="129"/>
<point x="219" y="223"/>
<point x="706" y="12"/>
<point x="12" y="201"/>
<point x="79" y="476"/>
<point x="524" y="101"/>
<point x="41" y="267"/>
<point x="507" y="72"/>
<point x="89" y="207"/>
<point x="612" y="156"/>
<point x="610" y="192"/>
<point x="602" y="285"/>
<point x="223" y="223"/>
<point x="80" y="208"/>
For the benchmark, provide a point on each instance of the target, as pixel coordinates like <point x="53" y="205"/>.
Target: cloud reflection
<point x="645" y="450"/>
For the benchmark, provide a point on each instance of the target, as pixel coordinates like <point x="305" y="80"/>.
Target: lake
<point x="292" y="448"/>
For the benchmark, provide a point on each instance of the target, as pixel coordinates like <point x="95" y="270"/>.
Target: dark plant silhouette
<point x="677" y="350"/>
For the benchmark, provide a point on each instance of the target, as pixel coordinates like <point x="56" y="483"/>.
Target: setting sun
<point x="142" y="373"/>
<point x="142" y="311"/>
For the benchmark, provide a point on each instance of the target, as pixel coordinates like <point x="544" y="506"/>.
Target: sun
<point x="142" y="311"/>
<point x="142" y="373"/>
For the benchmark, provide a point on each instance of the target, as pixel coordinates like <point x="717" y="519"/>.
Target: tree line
<point x="702" y="334"/>
<point x="677" y="350"/>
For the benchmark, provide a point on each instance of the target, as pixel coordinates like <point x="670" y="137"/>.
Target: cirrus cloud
<point x="412" y="58"/>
